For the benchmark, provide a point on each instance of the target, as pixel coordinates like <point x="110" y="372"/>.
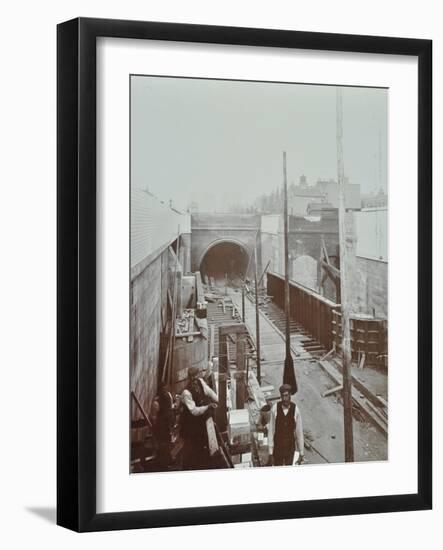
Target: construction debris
<point x="360" y="403"/>
<point x="239" y="427"/>
<point x="335" y="389"/>
<point x="185" y="324"/>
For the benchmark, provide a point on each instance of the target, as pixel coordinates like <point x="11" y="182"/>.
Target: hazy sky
<point x="221" y="142"/>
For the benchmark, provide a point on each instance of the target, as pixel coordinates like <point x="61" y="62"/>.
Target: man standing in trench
<point x="198" y="402"/>
<point x="285" y="430"/>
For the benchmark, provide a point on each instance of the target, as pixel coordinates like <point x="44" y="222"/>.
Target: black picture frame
<point x="76" y="273"/>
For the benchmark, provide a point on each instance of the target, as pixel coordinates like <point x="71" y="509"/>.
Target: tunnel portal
<point x="225" y="258"/>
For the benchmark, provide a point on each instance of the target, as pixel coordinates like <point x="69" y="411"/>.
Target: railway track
<point x="310" y="346"/>
<point x="219" y="314"/>
<point x="304" y="345"/>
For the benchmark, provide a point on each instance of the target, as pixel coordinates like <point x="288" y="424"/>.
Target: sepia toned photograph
<point x="258" y="274"/>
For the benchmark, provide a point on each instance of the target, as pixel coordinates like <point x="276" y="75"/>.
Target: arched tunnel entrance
<point x="225" y="258"/>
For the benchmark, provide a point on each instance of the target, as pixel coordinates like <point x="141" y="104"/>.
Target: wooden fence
<point x="322" y="319"/>
<point x="368" y="336"/>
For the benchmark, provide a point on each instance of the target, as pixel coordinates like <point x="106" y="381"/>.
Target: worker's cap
<point x="193" y="371"/>
<point x="285" y="388"/>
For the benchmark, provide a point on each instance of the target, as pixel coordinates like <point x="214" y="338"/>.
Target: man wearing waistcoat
<point x="285" y="430"/>
<point x="198" y="401"/>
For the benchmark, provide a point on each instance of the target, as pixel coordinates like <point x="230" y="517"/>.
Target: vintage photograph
<point x="258" y="274"/>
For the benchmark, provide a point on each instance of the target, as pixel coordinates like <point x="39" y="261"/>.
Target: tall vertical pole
<point x="243" y="303"/>
<point x="168" y="374"/>
<point x="288" y="372"/>
<point x="223" y="369"/>
<point x="257" y="319"/>
<point x="240" y="389"/>
<point x="345" y="310"/>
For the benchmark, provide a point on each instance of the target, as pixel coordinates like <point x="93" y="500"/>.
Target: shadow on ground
<point x="48" y="514"/>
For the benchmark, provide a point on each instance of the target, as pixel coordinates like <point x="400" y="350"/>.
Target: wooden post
<point x="211" y="341"/>
<point x="257" y="319"/>
<point x="345" y="309"/>
<point x="167" y="374"/>
<point x="223" y="370"/>
<point x="263" y="274"/>
<point x="243" y="303"/>
<point x="288" y="372"/>
<point x="240" y="374"/>
<point x="222" y="419"/>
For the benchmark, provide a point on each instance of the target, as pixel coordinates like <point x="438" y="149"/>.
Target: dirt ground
<point x="322" y="416"/>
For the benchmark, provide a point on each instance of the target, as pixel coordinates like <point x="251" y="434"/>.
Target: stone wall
<point x="373" y="292"/>
<point x="209" y="229"/>
<point x="305" y="271"/>
<point x="305" y="236"/>
<point x="304" y="240"/>
<point x="270" y="251"/>
<point x="148" y="310"/>
<point x="185" y="252"/>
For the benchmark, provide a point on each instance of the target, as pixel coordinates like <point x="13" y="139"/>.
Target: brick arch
<point x="211" y="228"/>
<point x="221" y="240"/>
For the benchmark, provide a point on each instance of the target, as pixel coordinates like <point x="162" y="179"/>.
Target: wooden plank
<point x="200" y="295"/>
<point x="256" y="391"/>
<point x="173" y="254"/>
<point x="211" y="340"/>
<point x="375" y="399"/>
<point x="331" y="371"/>
<point x="221" y="410"/>
<point x="335" y="389"/>
<point x="376" y="410"/>
<point x="332" y="269"/>
<point x="234" y="328"/>
<point x="169" y="297"/>
<point x="336" y="376"/>
<point x="325" y="252"/>
<point x="187" y="334"/>
<point x="383" y="402"/>
<point x="141" y="409"/>
<point x="328" y="354"/>
<point x="304" y="289"/>
<point x="240" y="392"/>
<point x="212" y="436"/>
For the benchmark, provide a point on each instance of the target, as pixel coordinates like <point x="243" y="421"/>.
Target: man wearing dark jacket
<point x="198" y="400"/>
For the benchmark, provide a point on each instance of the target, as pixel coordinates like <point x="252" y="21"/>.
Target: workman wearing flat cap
<point x="198" y="400"/>
<point x="285" y="430"/>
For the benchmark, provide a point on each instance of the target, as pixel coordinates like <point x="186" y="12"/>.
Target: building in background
<point x="375" y="200"/>
<point x="303" y="197"/>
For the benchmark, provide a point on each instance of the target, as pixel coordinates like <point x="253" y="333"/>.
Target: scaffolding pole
<point x="345" y="309"/>
<point x="288" y="372"/>
<point x="257" y="319"/>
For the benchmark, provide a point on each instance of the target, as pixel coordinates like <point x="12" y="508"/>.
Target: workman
<point x="198" y="400"/>
<point x="285" y="430"/>
<point x="163" y="420"/>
